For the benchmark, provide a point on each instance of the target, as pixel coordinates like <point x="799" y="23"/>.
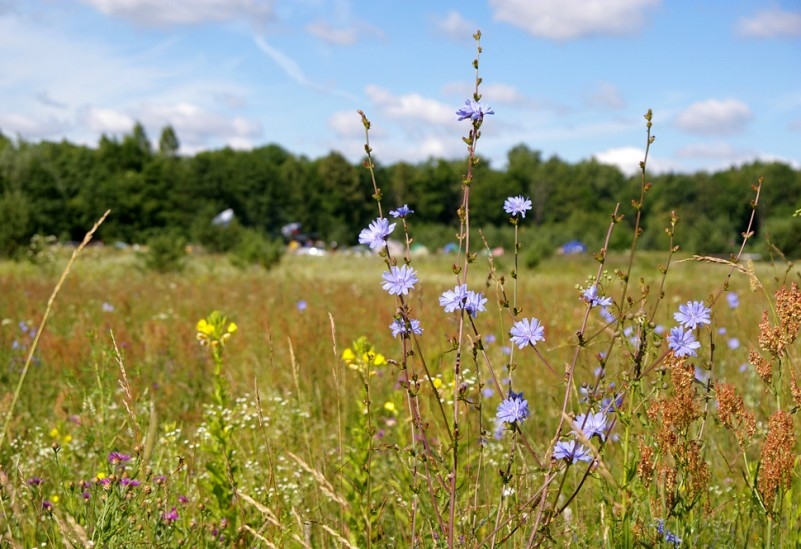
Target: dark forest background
<point x="61" y="189"/>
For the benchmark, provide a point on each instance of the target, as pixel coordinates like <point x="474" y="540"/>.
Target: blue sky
<point x="566" y="77"/>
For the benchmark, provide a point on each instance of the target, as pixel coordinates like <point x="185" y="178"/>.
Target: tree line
<point x="61" y="188"/>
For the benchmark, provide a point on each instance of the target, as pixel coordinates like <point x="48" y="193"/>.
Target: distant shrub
<point x="785" y="235"/>
<point x="219" y="239"/>
<point x="254" y="248"/>
<point x="41" y="250"/>
<point x="166" y="252"/>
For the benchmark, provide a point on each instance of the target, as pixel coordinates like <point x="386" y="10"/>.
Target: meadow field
<point x="606" y="399"/>
<point x="122" y="435"/>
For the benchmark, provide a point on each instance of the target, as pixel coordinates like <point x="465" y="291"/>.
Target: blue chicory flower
<point x="399" y="327"/>
<point x="475" y="303"/>
<point x="591" y="424"/>
<point x="399" y="280"/>
<point x="452" y="300"/>
<point x="669" y="536"/>
<point x="517" y="205"/>
<point x="682" y="342"/>
<point x="590" y="295"/>
<point x="403" y="211"/>
<point x="572" y="451"/>
<point x="473" y="110"/>
<point x="375" y="235"/>
<point x="527" y="332"/>
<point x="692" y="314"/>
<point x="513" y="409"/>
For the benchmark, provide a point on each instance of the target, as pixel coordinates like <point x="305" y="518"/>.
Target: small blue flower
<point x="517" y="205"/>
<point x="512" y="409"/>
<point x="399" y="280"/>
<point x="701" y="375"/>
<point x="376" y="234"/>
<point x="608" y="316"/>
<point x="591" y="424"/>
<point x="681" y="342"/>
<point x="107" y="307"/>
<point x="527" y="332"/>
<point x="475" y="303"/>
<point x="669" y="536"/>
<point x="572" y="451"/>
<point x="302" y="305"/>
<point x="403" y="211"/>
<point x="590" y="295"/>
<point x="733" y="299"/>
<point x="399" y="327"/>
<point x="692" y="314"/>
<point x="473" y="110"/>
<point x="452" y="300"/>
<point x="733" y="343"/>
<point x="611" y="404"/>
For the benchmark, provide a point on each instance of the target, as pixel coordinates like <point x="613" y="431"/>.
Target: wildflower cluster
<point x="690" y="317"/>
<point x="215" y="330"/>
<point x="362" y="357"/>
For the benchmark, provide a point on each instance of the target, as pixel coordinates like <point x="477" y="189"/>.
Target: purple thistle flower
<point x="572" y="451"/>
<point x="131" y="483"/>
<point x="116" y="458"/>
<point x="591" y="424"/>
<point x="473" y="110"/>
<point x="35" y="481"/>
<point x="682" y="343"/>
<point x="399" y="280"/>
<point x="170" y="517"/>
<point x="403" y="211"/>
<point x="452" y="300"/>
<point x="590" y="295"/>
<point x="47" y="505"/>
<point x="375" y="235"/>
<point x="512" y="409"/>
<point x="692" y="314"/>
<point x="399" y="327"/>
<point x="527" y="332"/>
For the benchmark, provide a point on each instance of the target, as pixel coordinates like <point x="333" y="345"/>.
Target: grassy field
<point x="129" y="432"/>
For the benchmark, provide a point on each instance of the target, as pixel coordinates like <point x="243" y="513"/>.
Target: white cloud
<point x="605" y="96"/>
<point x="410" y="106"/>
<point x="719" y="151"/>
<point x="569" y="19"/>
<point x="455" y="26"/>
<point x="626" y="158"/>
<point x="327" y="33"/>
<point x="106" y="120"/>
<point x="772" y="23"/>
<point x="195" y="125"/>
<point x="284" y="62"/>
<point x="30" y="127"/>
<point x="714" y="117"/>
<point x="347" y="125"/>
<point x="180" y="12"/>
<point x="345" y="35"/>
